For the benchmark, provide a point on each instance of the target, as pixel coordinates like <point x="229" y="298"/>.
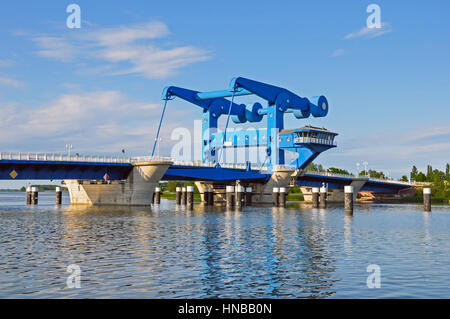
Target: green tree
<point x="429" y="173"/>
<point x="447" y="171"/>
<point x="404" y="178"/>
<point x="312" y="167"/>
<point x="421" y="177"/>
<point x="414" y="173"/>
<point x="335" y="170"/>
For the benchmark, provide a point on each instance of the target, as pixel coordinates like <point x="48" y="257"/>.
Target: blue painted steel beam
<point x="216" y="174"/>
<point x="55" y="170"/>
<point x="220" y="94"/>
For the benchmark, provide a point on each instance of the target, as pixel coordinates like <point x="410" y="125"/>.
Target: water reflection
<point x="167" y="251"/>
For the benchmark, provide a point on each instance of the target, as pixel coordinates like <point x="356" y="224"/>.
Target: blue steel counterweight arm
<point x="284" y="99"/>
<point x="217" y="106"/>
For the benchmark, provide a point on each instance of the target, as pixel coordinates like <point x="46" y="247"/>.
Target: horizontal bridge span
<point x="338" y="181"/>
<point x="210" y="173"/>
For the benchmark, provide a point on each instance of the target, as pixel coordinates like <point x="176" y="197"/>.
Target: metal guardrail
<point x="393" y="181"/>
<point x="223" y="165"/>
<point x="329" y="174"/>
<point x="314" y="140"/>
<point x="61" y="157"/>
<point x="141" y="159"/>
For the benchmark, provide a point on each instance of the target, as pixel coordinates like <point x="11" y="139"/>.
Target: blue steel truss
<point x="279" y="102"/>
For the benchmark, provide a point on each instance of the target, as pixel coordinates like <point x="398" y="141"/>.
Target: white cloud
<point x="395" y="152"/>
<point x="129" y="34"/>
<point x="6" y="63"/>
<point x="56" y="48"/>
<point x="338" y="52"/>
<point x="370" y="32"/>
<point x="125" y="49"/>
<point x="11" y="83"/>
<point x="94" y="122"/>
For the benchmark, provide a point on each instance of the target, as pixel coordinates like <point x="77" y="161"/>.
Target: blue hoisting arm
<point x="284" y="99"/>
<point x="217" y="106"/>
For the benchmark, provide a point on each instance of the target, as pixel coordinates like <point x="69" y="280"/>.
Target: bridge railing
<point x="150" y="158"/>
<point x="372" y="179"/>
<point x="328" y="174"/>
<point x="314" y="140"/>
<point x="61" y="157"/>
<point x="223" y="165"/>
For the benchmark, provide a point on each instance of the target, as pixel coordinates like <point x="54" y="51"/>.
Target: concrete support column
<point x="239" y="196"/>
<point x="183" y="196"/>
<point x="190" y="196"/>
<point x="283" y="194"/>
<point x="58" y="196"/>
<point x="211" y="199"/>
<point x="276" y="196"/>
<point x="348" y="199"/>
<point x="34" y="195"/>
<point x="248" y="196"/>
<point x="208" y="193"/>
<point x="427" y="199"/>
<point x="230" y="196"/>
<point x="28" y="195"/>
<point x="315" y="197"/>
<point x="157" y="195"/>
<point x="323" y="197"/>
<point x="178" y="195"/>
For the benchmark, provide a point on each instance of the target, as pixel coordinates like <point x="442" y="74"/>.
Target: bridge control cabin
<point x="307" y="141"/>
<point x="306" y="134"/>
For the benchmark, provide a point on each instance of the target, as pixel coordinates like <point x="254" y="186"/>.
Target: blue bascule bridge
<point x="287" y="152"/>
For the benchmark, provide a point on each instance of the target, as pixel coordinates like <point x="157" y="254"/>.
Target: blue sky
<point x="99" y="87"/>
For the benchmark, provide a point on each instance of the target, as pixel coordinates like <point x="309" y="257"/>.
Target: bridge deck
<point x="20" y="166"/>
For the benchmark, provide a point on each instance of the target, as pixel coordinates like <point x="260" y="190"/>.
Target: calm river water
<point x="168" y="252"/>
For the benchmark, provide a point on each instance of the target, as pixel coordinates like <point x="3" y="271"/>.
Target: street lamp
<point x="365" y="168"/>
<point x="69" y="147"/>
<point x="357" y="168"/>
<point x="159" y="143"/>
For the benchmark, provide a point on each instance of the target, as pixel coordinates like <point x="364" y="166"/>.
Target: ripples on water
<point x="168" y="252"/>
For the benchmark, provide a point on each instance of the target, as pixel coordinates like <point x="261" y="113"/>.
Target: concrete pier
<point x="239" y="196"/>
<point x="178" y="195"/>
<point x="230" y="196"/>
<point x="427" y="199"/>
<point x="211" y="196"/>
<point x="348" y="199"/>
<point x="157" y="195"/>
<point x="28" y="195"/>
<point x="248" y="196"/>
<point x="283" y="195"/>
<point x="136" y="190"/>
<point x="58" y="196"/>
<point x="323" y="197"/>
<point x="315" y="197"/>
<point x="208" y="194"/>
<point x="183" y="196"/>
<point x="275" y="196"/>
<point x="34" y="195"/>
<point x="190" y="197"/>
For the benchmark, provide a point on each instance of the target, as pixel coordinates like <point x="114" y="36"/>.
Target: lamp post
<point x="69" y="147"/>
<point x="365" y="168"/>
<point x="357" y="168"/>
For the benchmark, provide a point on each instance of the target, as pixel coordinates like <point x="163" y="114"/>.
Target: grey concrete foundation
<point x="348" y="199"/>
<point x="315" y="197"/>
<point x="58" y="196"/>
<point x="427" y="199"/>
<point x="178" y="195"/>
